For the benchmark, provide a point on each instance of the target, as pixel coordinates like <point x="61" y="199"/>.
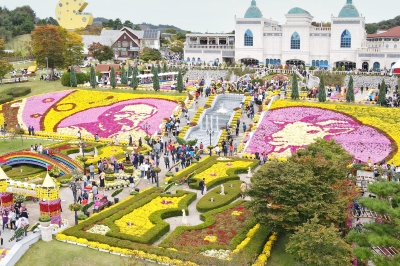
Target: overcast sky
<point x="211" y="15"/>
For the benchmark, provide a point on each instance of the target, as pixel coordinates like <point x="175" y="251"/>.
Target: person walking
<point x="102" y="181"/>
<point x="166" y="161"/>
<point x="244" y="127"/>
<point x="202" y="185"/>
<point x="91" y="171"/>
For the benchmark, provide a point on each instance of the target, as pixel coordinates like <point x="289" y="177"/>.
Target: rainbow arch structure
<point x="65" y="164"/>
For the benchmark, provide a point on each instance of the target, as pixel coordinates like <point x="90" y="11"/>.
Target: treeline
<point x="383" y="25"/>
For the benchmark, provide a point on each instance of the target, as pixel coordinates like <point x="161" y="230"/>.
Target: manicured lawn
<point x="6" y="146"/>
<point x="18" y="43"/>
<point x="58" y="253"/>
<point x="27" y="171"/>
<point x="279" y="257"/>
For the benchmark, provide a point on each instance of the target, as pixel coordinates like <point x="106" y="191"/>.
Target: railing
<point x="18" y="59"/>
<point x="273" y="29"/>
<point x="205" y="46"/>
<point x="369" y="49"/>
<point x="321" y="29"/>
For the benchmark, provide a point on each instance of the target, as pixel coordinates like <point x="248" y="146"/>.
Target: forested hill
<point x="383" y="25"/>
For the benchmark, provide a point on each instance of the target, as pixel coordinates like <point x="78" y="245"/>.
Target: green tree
<point x="117" y="24"/>
<point x="134" y="81"/>
<point x="314" y="245"/>
<point x="156" y="81"/>
<point x="124" y="78"/>
<point x="171" y="30"/>
<point x="322" y="91"/>
<point x="383" y="232"/>
<point x="179" y="86"/>
<point x="165" y="67"/>
<point x="382" y="93"/>
<point x="150" y="54"/>
<point x="295" y="87"/>
<point x="5" y="67"/>
<point x="128" y="24"/>
<point x="350" y="91"/>
<point x="73" y="47"/>
<point x="176" y="46"/>
<point x="73" y="80"/>
<point x="137" y="27"/>
<point x="113" y="81"/>
<point x="2" y="47"/>
<point x="158" y="68"/>
<point x="93" y="82"/>
<point x="312" y="182"/>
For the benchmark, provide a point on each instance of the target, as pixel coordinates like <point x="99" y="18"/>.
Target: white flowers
<point x="219" y="254"/>
<point x="99" y="229"/>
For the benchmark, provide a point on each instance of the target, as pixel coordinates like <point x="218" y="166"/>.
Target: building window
<point x="395" y="40"/>
<point x="387" y="40"/>
<point x="395" y="46"/>
<point x="317" y="63"/>
<point x="377" y="65"/>
<point x="295" y="41"/>
<point x="248" y="38"/>
<point x="267" y="61"/>
<point x="119" y="44"/>
<point x="124" y="44"/>
<point x="387" y="46"/>
<point x="345" y="41"/>
<point x="313" y="63"/>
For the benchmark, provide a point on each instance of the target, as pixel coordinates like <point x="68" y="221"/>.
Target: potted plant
<point x="44" y="220"/>
<point x="75" y="207"/>
<point x="86" y="207"/>
<point x="116" y="200"/>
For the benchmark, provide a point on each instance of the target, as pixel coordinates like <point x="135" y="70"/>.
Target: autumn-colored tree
<point x="48" y="45"/>
<point x="314" y="245"/>
<point x="101" y="52"/>
<point x="2" y="47"/>
<point x="73" y="47"/>
<point x="312" y="182"/>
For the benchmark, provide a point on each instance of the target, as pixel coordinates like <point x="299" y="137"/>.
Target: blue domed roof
<point x="298" y="11"/>
<point x="253" y="11"/>
<point x="349" y="10"/>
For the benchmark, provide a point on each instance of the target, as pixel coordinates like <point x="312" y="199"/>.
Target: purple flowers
<point x="285" y="130"/>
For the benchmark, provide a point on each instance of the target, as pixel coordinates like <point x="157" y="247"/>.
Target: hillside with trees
<point x="16" y="22"/>
<point x="383" y="25"/>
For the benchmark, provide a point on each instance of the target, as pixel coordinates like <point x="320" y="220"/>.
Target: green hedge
<point x="6" y="168"/>
<point x="231" y="194"/>
<point x="109" y="217"/>
<point x="17" y="92"/>
<point x="5" y="98"/>
<point x="80" y="77"/>
<point x="207" y="163"/>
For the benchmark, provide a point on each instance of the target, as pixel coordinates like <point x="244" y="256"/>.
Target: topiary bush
<point x="5" y="98"/>
<point x="18" y="91"/>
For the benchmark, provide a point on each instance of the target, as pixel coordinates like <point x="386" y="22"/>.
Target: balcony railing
<point x="214" y="47"/>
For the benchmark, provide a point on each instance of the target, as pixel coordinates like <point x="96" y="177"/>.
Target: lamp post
<point x="83" y="145"/>
<point x="210" y="132"/>
<point x="47" y="68"/>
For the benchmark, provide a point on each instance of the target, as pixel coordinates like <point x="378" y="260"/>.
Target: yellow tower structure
<point x="70" y="15"/>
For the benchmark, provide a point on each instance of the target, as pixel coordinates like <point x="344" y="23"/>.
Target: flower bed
<point x="215" y="171"/>
<point x="106" y="113"/>
<point x="231" y="193"/>
<point x="284" y="130"/>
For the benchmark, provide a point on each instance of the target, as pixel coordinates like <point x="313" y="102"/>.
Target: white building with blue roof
<point x="261" y="40"/>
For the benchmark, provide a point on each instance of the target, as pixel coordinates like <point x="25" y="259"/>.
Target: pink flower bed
<point x="125" y="116"/>
<point x="338" y="96"/>
<point x="283" y="131"/>
<point x="40" y="104"/>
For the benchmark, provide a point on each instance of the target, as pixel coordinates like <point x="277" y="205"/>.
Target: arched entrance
<point x="377" y="66"/>
<point x="347" y="65"/>
<point x="249" y="61"/>
<point x="365" y="66"/>
<point x="294" y="62"/>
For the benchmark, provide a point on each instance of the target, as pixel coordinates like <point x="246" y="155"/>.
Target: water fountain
<point x="222" y="110"/>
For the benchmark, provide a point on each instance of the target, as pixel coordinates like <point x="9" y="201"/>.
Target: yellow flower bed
<point x="385" y="119"/>
<point x="105" y="152"/>
<point x="236" y="213"/>
<point x="249" y="235"/>
<point x="78" y="101"/>
<point x="210" y="238"/>
<point x="266" y="253"/>
<point x="140" y="218"/>
<point x="219" y="170"/>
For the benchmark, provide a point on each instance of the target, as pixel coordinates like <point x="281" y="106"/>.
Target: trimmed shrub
<point x="80" y="78"/>
<point x="18" y="91"/>
<point x="5" y="98"/>
<point x="6" y="168"/>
